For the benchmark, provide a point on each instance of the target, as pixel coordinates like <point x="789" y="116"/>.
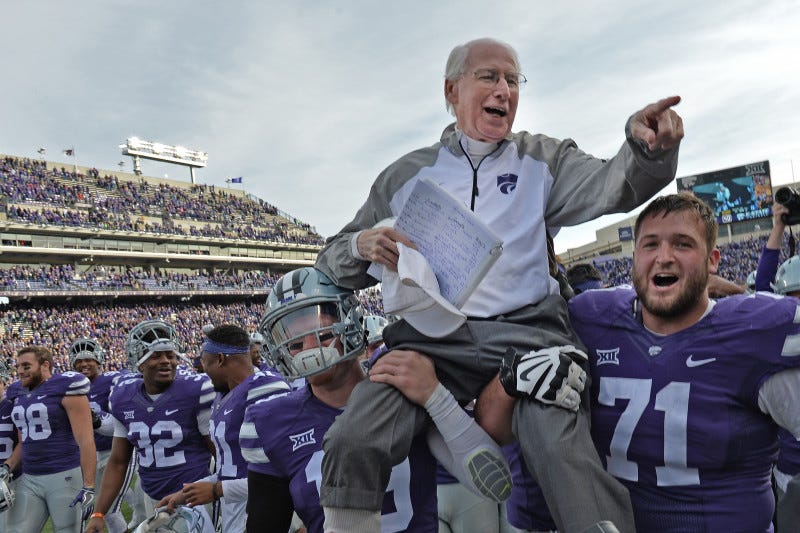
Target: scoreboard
<point x="735" y="194"/>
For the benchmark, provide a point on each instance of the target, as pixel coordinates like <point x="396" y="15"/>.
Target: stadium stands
<point x="32" y="192"/>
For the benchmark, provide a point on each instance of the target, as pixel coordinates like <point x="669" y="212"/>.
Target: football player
<point x="688" y="392"/>
<point x="374" y="324"/>
<point x="8" y="441"/>
<point x="162" y="415"/>
<point x="314" y="328"/>
<point x="87" y="357"/>
<point x="8" y="433"/>
<point x="227" y="361"/>
<point x="257" y="351"/>
<point x="52" y="414"/>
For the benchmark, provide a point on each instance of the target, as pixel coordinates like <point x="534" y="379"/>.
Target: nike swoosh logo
<point x="93" y="395"/>
<point x="40" y="397"/>
<point x="524" y="375"/>
<point x="228" y="411"/>
<point x="170" y="412"/>
<point x="691" y="363"/>
<point x="4" y="417"/>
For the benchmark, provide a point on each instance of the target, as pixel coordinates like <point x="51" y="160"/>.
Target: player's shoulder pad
<point x="106" y="379"/>
<point x="125" y="385"/>
<point x="758" y="311"/>
<point x="602" y="306"/>
<point x="193" y="381"/>
<point x="14" y="390"/>
<point x="265" y="384"/>
<point x="193" y="386"/>
<point x="280" y="402"/>
<point x="71" y="383"/>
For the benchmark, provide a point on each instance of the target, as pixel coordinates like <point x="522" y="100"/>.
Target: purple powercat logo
<point x="507" y="183"/>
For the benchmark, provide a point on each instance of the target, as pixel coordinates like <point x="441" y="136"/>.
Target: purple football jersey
<point x="8" y="433"/>
<point x="282" y="437"/>
<point x="227" y="416"/>
<point x="44" y="425"/>
<point x="14" y="390"/>
<point x="526" y="508"/>
<point x="98" y="401"/>
<point x="676" y="417"/>
<point x="789" y="453"/>
<point x="171" y="447"/>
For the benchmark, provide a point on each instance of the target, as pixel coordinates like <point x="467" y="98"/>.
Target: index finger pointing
<point x="662" y="105"/>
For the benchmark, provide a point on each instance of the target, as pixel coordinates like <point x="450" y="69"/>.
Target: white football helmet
<point x="6" y="496"/>
<point x="86" y="349"/>
<point x="182" y="520"/>
<point x="788" y="277"/>
<point x="5" y="372"/>
<point x="305" y="304"/>
<point x="149" y="337"/>
<point x="257" y="338"/>
<point x="750" y="286"/>
<point x="374" y="325"/>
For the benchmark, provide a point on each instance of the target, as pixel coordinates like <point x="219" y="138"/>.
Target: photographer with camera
<point x="790" y="199"/>
<point x="770" y="255"/>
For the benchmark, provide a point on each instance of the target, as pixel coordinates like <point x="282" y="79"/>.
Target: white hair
<point x="457" y="61"/>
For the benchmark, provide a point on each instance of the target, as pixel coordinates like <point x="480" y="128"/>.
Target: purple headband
<point x="225" y="349"/>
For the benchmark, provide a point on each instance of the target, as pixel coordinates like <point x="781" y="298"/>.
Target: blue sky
<point x="310" y="100"/>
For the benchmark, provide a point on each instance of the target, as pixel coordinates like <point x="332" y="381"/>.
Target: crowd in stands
<point x="372" y="301"/>
<point x="29" y="192"/>
<point x="65" y="278"/>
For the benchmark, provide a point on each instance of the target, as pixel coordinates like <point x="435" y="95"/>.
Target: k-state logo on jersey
<point x="507" y="183"/>
<point x="607" y="357"/>
<point x="302" y="439"/>
<point x="128" y="415"/>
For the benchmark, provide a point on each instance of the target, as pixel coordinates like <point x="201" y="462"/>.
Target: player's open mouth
<point x="664" y="280"/>
<point x="495" y="111"/>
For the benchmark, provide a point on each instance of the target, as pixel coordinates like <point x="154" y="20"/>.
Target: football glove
<point x="97" y="421"/>
<point x="86" y="500"/>
<point x="5" y="473"/>
<point x="550" y="375"/>
<point x="6" y="496"/>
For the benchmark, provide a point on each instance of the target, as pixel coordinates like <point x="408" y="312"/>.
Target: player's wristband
<point x="98" y="515"/>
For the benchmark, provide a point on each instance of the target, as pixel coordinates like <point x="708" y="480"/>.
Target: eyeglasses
<point x="491" y="77"/>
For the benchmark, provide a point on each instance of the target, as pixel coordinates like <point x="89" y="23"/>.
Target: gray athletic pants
<point x="40" y="497"/>
<point x="788" y="511"/>
<point x="375" y="432"/>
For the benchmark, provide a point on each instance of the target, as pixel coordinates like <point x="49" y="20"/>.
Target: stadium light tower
<point x="176" y="155"/>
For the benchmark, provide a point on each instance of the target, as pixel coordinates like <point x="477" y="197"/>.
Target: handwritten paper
<point x="459" y="247"/>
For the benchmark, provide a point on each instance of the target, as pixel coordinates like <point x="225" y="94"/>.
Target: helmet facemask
<point x="311" y="324"/>
<point x="86" y="349"/>
<point x="149" y="337"/>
